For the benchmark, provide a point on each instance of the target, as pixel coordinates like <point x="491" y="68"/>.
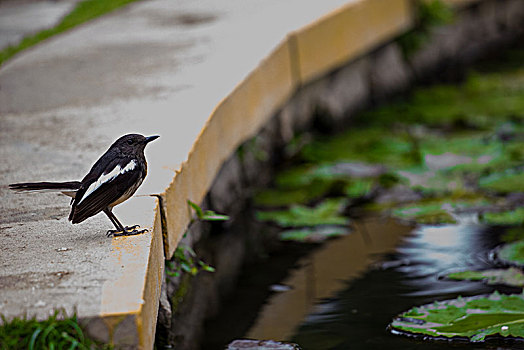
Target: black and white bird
<point x="113" y="179"/>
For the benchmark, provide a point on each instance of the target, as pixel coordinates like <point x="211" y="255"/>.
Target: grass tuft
<point x="57" y="332"/>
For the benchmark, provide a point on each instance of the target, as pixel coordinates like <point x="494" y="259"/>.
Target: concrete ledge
<point x="125" y="318"/>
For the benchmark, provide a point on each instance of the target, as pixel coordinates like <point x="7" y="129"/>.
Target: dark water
<point x="343" y="294"/>
<point x="357" y="316"/>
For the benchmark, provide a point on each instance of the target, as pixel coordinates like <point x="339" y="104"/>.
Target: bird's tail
<point x="68" y="188"/>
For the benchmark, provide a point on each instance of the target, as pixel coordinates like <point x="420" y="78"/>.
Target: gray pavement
<point x="19" y="18"/>
<point x="153" y="67"/>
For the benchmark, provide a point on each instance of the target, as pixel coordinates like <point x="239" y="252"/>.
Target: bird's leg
<point x="120" y="229"/>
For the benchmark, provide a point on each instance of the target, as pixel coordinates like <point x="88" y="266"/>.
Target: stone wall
<point x="329" y="103"/>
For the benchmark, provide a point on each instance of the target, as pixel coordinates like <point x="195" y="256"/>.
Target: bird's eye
<point x="129" y="142"/>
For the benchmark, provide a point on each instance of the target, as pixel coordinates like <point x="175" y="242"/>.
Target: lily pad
<point x="433" y="182"/>
<point x="425" y="213"/>
<point x="472" y="318"/>
<point x="511" y="276"/>
<point x="314" y="234"/>
<point x="511" y="253"/>
<point x="276" y="197"/>
<point x="511" y="217"/>
<point x="506" y="182"/>
<point x="325" y="213"/>
<point x="437" y="211"/>
<point x="376" y="145"/>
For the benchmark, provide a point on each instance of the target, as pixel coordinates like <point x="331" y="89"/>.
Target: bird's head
<point x="133" y="143"/>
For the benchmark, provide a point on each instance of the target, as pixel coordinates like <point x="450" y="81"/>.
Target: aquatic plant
<point x="511" y="276"/>
<point x="326" y="212"/>
<point x="511" y="253"/>
<point x="472" y="318"/>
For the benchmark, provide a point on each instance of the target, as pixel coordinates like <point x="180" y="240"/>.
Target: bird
<point x="113" y="179"/>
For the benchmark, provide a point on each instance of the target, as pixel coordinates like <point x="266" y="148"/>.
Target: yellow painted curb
<point x="236" y="118"/>
<point x="129" y="302"/>
<point x="304" y="55"/>
<point x="347" y="33"/>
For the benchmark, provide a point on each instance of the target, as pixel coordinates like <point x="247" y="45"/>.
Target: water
<point x="343" y="294"/>
<point x="356" y="317"/>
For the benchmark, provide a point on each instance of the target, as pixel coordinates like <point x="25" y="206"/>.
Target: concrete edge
<point x="129" y="303"/>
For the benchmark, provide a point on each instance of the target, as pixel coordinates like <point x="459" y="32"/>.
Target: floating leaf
<point x="512" y="253"/>
<point x="437" y="211"/>
<point x="431" y="182"/>
<point x="374" y="145"/>
<point x="472" y="318"/>
<point x="511" y="276"/>
<point x="325" y="213"/>
<point x="505" y="182"/>
<point x="314" y="234"/>
<point x="359" y="187"/>
<point x="282" y="197"/>
<point x="512" y="217"/>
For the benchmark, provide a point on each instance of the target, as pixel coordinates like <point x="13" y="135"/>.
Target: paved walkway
<point x="154" y="67"/>
<point x="19" y="18"/>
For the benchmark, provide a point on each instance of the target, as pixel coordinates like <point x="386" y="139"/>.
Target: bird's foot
<point x="128" y="231"/>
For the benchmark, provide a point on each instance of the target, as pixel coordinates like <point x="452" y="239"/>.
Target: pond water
<point x="356" y="317"/>
<point x="344" y="293"/>
<point x="414" y="190"/>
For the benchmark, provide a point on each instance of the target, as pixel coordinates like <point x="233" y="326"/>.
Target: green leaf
<point x="511" y="276"/>
<point x="198" y="211"/>
<point x="473" y="318"/>
<point x="282" y="197"/>
<point x="511" y="217"/>
<point x="504" y="182"/>
<point x="359" y="187"/>
<point x="512" y="253"/>
<point x="208" y="215"/>
<point x="325" y="213"/>
<point x="314" y="234"/>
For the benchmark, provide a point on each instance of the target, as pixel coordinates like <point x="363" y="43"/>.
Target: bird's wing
<point x="110" y="185"/>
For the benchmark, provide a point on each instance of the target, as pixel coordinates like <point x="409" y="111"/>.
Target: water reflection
<point x="357" y="317"/>
<point x="323" y="273"/>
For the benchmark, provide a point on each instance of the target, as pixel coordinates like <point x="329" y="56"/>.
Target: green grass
<point x="57" y="332"/>
<point x="84" y="11"/>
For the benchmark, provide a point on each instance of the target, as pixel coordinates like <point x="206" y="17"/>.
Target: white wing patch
<point x="106" y="177"/>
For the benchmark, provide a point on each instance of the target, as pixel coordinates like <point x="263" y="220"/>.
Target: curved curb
<point x="301" y="57"/>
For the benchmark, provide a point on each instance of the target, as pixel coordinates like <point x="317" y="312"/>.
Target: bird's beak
<point x="151" y="138"/>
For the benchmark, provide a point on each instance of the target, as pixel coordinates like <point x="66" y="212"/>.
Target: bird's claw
<point x="128" y="231"/>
